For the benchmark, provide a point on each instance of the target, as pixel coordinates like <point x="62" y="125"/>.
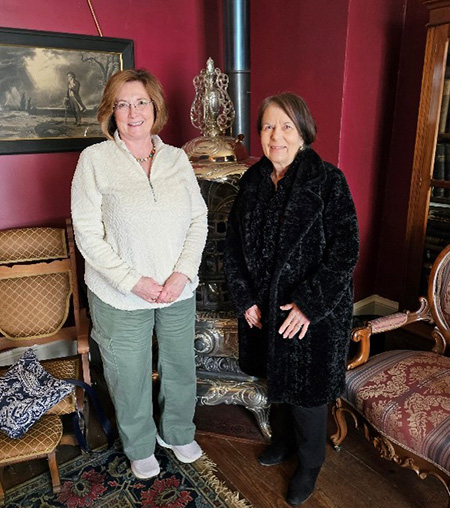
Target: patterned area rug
<point x="104" y="480"/>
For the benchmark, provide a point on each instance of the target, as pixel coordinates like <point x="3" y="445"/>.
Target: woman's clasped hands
<point x="296" y="321"/>
<point x="149" y="290"/>
<point x="253" y="316"/>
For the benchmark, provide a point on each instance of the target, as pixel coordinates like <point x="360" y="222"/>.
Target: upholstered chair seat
<point x="405" y="395"/>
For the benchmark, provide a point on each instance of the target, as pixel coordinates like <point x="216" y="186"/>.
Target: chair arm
<point x="386" y="324"/>
<point x="361" y="335"/>
<point x="83" y="333"/>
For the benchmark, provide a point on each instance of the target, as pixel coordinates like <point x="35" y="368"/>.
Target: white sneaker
<point x="145" y="468"/>
<point x="184" y="453"/>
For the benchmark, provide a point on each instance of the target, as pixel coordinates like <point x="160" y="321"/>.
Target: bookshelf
<point x="428" y="225"/>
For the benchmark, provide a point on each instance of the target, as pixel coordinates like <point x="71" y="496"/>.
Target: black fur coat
<point x="316" y="253"/>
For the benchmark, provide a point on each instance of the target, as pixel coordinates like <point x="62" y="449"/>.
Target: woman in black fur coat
<point x="291" y="247"/>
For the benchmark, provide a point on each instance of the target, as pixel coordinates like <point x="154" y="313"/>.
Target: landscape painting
<point x="50" y="88"/>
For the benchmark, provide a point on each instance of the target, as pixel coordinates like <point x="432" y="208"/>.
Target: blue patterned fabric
<point x="27" y="391"/>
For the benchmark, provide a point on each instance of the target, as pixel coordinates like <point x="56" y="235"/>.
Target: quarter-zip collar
<point x="156" y="140"/>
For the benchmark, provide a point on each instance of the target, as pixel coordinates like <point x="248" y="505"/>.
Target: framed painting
<point x="51" y="87"/>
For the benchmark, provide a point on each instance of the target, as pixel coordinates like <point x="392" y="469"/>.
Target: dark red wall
<point x="397" y="175"/>
<point x="357" y="64"/>
<point x="301" y="48"/>
<point x="375" y="51"/>
<point x="344" y="59"/>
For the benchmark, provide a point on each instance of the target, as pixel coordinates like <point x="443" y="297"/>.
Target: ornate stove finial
<point x="214" y="154"/>
<point x="212" y="110"/>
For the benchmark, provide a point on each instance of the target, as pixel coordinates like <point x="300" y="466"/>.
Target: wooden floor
<point x="355" y="477"/>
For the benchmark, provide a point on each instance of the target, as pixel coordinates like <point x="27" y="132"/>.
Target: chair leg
<point x="86" y="416"/>
<point x="2" y="492"/>
<point x="83" y="408"/>
<point x="341" y="425"/>
<point x="54" y="472"/>
<point x="79" y="394"/>
<point x="86" y="368"/>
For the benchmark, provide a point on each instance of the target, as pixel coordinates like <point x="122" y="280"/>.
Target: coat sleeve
<point x="319" y="294"/>
<point x="235" y="268"/>
<point x="189" y="261"/>
<point x="89" y="229"/>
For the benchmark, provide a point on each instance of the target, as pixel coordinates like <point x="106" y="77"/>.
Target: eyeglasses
<point x="124" y="106"/>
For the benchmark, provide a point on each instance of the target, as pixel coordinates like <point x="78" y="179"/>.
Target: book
<point x="439" y="167"/>
<point x="447" y="168"/>
<point x="433" y="241"/>
<point x="438" y="232"/>
<point x="439" y="224"/>
<point x="443" y="201"/>
<point x="444" y="106"/>
<point x="439" y="212"/>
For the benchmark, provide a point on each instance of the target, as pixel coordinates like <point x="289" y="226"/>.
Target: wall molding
<point x="47" y="351"/>
<point x="375" y="305"/>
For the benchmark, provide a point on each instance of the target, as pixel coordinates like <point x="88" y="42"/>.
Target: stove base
<point x="250" y="394"/>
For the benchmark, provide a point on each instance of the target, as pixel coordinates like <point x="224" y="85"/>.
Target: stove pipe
<point x="237" y="63"/>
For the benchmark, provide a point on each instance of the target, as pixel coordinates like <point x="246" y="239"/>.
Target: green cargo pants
<point x="125" y="343"/>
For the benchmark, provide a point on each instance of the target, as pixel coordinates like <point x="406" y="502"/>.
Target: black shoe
<point x="302" y="485"/>
<point x="275" y="454"/>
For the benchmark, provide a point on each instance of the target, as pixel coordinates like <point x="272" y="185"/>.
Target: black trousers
<point x="302" y="428"/>
<point x="310" y="424"/>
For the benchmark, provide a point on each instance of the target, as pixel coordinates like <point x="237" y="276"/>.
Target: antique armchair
<point x="401" y="398"/>
<point x="39" y="305"/>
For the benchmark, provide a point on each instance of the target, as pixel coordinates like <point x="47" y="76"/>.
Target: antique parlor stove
<point x="219" y="161"/>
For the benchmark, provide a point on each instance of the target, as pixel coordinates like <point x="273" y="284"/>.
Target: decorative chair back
<point x="439" y="293"/>
<point x="32" y="244"/>
<point x="35" y="282"/>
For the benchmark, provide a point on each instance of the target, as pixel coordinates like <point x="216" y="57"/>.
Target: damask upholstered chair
<point x="39" y="305"/>
<point x="401" y="398"/>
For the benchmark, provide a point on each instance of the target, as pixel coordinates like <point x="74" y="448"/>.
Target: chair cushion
<point x="27" y="391"/>
<point x="405" y="395"/>
<point x="40" y="440"/>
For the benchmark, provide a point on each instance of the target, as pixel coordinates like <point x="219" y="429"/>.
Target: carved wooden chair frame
<point x="430" y="311"/>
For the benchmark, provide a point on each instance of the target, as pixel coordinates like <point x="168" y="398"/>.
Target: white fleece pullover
<point x="128" y="225"/>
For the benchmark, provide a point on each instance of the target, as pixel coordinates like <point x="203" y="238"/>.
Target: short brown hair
<point x="296" y="109"/>
<point x="105" y="114"/>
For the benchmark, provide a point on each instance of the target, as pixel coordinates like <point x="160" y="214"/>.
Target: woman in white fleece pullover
<point x="140" y="224"/>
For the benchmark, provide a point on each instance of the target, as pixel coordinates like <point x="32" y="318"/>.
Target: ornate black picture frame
<point x="51" y="86"/>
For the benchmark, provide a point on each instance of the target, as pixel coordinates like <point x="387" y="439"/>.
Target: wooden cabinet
<point x="428" y="226"/>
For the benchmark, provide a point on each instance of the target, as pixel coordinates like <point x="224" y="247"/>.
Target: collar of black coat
<point x="303" y="206"/>
<point x="307" y="164"/>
